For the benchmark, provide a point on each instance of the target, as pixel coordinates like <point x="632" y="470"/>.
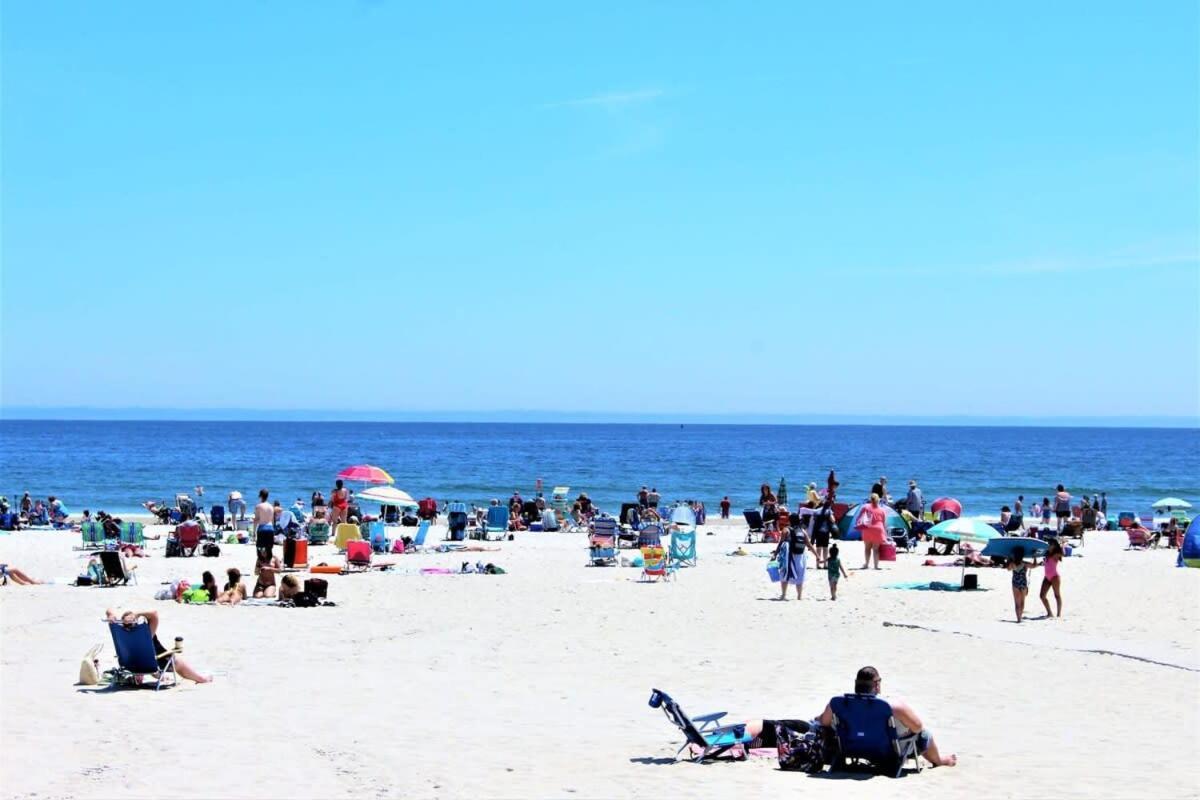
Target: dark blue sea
<point x="117" y="465"/>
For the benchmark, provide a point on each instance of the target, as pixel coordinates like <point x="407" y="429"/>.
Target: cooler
<point x="887" y="551"/>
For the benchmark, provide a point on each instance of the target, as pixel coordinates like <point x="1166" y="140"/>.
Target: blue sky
<point x="776" y="208"/>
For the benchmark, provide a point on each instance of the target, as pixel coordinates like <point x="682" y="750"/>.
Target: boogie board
<point x="1003" y="546"/>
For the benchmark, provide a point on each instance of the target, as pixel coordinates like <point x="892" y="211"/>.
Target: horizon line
<point x="236" y="414"/>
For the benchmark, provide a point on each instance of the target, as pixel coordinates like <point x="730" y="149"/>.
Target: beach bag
<point x="211" y="550"/>
<point x="89" y="669"/>
<point x="316" y="587"/>
<point x="173" y="549"/>
<point x="773" y="571"/>
<point x="305" y="600"/>
<point x="802" y="747"/>
<point x="398" y="547"/>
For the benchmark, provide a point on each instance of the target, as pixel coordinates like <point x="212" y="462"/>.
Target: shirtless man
<point x="264" y="526"/>
<point x="867" y="682"/>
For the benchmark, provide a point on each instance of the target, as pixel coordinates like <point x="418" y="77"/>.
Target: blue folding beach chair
<point x="708" y="739"/>
<point x="422" y="532"/>
<point x="378" y="537"/>
<point x="683" y="548"/>
<point x="136" y="655"/>
<point x="496" y="523"/>
<point x="602" y="542"/>
<point x="867" y="732"/>
<point x="318" y="533"/>
<point x="456" y="521"/>
<point x="650" y="535"/>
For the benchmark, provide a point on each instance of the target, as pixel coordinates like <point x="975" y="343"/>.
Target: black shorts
<point x="1062" y="514"/>
<point x="821" y="539"/>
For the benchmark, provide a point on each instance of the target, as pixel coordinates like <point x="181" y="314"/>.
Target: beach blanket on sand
<point x="930" y="586"/>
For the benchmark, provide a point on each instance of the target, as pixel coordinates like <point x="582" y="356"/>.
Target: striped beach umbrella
<point x="366" y="473"/>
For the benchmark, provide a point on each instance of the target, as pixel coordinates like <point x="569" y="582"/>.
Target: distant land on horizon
<point x="131" y="414"/>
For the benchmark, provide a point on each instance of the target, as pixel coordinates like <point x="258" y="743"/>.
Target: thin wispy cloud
<point x="1116" y="262"/>
<point x="612" y="101"/>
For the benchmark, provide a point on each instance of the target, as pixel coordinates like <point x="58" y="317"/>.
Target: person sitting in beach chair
<point x="880" y="732"/>
<point x="140" y="653"/>
<point x="117" y="571"/>
<point x="1141" y="538"/>
<point x="602" y="542"/>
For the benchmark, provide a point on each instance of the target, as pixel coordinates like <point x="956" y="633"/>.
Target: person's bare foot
<point x="949" y="761"/>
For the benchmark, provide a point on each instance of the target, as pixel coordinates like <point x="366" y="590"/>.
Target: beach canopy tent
<point x="1189" y="551"/>
<point x="946" y="505"/>
<point x="1168" y="503"/>
<point x="850" y="533"/>
<point x="387" y="496"/>
<point x="366" y="473"/>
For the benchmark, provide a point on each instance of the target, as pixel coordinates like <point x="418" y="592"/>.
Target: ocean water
<point x="118" y="465"/>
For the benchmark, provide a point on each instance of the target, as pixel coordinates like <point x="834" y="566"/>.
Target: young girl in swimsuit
<point x="1051" y="578"/>
<point x="1019" y="568"/>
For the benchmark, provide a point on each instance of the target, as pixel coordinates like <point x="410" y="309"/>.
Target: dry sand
<point x="535" y="683"/>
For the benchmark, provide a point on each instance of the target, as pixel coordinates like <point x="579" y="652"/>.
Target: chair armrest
<point x="705" y="720"/>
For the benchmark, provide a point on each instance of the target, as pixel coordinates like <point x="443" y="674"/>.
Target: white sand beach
<point x="535" y="683"/>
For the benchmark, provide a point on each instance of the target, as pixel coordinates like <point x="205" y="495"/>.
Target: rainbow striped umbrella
<point x="366" y="473"/>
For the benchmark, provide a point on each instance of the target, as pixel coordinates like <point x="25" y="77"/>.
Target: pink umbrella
<point x="947" y="504"/>
<point x="365" y="473"/>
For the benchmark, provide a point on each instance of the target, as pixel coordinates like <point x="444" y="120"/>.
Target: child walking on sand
<point x="1051" y="578"/>
<point x="834" y="566"/>
<point x="1019" y="568"/>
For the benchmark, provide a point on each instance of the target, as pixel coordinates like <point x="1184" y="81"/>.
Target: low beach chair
<point x="92" y="534"/>
<point x="1141" y="539"/>
<point x="216" y="515"/>
<point x="318" y="533"/>
<point x="346" y="532"/>
<point x="456" y="521"/>
<point x="419" y="540"/>
<point x="602" y="542"/>
<point x="114" y="569"/>
<point x="133" y="533"/>
<point x="358" y="555"/>
<point x="867" y="731"/>
<point x="655" y="566"/>
<point x="136" y="656"/>
<point x="708" y="740"/>
<point x="683" y="548"/>
<point x="755" y="522"/>
<point x="379" y="539"/>
<point x="650" y="535"/>
<point x="496" y="524"/>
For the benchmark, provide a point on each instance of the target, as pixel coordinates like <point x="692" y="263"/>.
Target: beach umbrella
<point x="782" y="496"/>
<point x="1172" y="502"/>
<point x="963" y="529"/>
<point x="365" y="473"/>
<point x="947" y="504"/>
<point x="387" y="496"/>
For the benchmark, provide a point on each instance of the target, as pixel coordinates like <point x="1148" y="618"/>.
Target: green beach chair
<point x="93" y="535"/>
<point x="318" y="533"/>
<point x="132" y="533"/>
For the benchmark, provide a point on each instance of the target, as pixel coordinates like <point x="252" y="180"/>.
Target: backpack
<point x="317" y="587"/>
<point x="173" y="549"/>
<point x="211" y="549"/>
